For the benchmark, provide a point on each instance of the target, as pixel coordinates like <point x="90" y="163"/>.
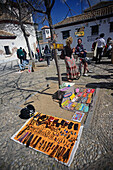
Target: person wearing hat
<point x="70" y="61"/>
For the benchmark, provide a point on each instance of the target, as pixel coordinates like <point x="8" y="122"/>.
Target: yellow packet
<point x="72" y="96"/>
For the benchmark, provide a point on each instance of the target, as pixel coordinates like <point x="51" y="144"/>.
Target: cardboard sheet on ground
<point x="58" y="138"/>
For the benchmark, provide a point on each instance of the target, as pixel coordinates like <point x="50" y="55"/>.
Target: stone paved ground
<point x="95" y="150"/>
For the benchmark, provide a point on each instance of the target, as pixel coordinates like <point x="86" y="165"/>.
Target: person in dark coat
<point x="47" y="53"/>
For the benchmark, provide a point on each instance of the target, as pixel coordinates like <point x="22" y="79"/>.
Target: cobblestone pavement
<point x="95" y="149"/>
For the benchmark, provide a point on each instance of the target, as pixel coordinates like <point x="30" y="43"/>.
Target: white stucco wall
<point x="19" y="41"/>
<point x="104" y="27"/>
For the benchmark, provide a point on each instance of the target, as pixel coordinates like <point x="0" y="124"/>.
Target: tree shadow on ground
<point x="56" y="78"/>
<point x="52" y="78"/>
<point x="102" y="76"/>
<point x="110" y="70"/>
<point x="105" y="62"/>
<point x="44" y="65"/>
<point x="105" y="85"/>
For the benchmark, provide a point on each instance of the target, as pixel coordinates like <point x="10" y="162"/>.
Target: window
<point x="111" y="26"/>
<point x="7" y="51"/>
<point x="95" y="30"/>
<point x="65" y="34"/>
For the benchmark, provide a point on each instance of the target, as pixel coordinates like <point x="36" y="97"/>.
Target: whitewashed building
<point x="88" y="25"/>
<point x="11" y="36"/>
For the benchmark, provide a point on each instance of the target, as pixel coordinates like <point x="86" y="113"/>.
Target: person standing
<point x="81" y="52"/>
<point x="25" y="54"/>
<point x="108" y="48"/>
<point x="20" y="54"/>
<point x="47" y="53"/>
<point x="100" y="46"/>
<point x="94" y="48"/>
<point x="70" y="61"/>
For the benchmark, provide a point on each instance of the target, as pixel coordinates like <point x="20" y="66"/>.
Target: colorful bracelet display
<point x="80" y="100"/>
<point x="53" y="136"/>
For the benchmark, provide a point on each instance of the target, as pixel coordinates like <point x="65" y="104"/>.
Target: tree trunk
<point x="27" y="42"/>
<point x="55" y="52"/>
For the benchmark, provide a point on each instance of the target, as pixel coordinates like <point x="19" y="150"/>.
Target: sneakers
<point x="89" y="71"/>
<point x="20" y="71"/>
<point x="86" y="75"/>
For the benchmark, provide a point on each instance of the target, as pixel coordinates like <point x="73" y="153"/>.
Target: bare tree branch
<point x="37" y="10"/>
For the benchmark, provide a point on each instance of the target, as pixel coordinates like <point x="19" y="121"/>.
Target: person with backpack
<point x="47" y="53"/>
<point x="20" y="54"/>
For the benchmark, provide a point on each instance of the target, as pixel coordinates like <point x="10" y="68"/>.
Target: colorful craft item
<point x="67" y="95"/>
<point x="88" y="90"/>
<point x="55" y="141"/>
<point x="83" y="100"/>
<point x="85" y="90"/>
<point x="72" y="96"/>
<point x="84" y="95"/>
<point x="78" y="116"/>
<point x="86" y="109"/>
<point x="64" y="89"/>
<point x="81" y="107"/>
<point x="51" y="119"/>
<point x="78" y="106"/>
<point x="74" y="104"/>
<point x="74" y="99"/>
<point x="65" y="103"/>
<point x="80" y="94"/>
<point x="92" y="90"/>
<point x="90" y="95"/>
<point x="77" y="90"/>
<point x="69" y="105"/>
<point x="88" y="100"/>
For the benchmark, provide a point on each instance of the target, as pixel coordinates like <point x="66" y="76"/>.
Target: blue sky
<point x="60" y="10"/>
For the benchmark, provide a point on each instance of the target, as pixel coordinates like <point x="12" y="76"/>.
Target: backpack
<point x="27" y="112"/>
<point x="62" y="55"/>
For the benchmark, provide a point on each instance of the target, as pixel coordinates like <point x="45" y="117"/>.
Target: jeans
<point x="99" y="53"/>
<point x="48" y="60"/>
<point x="24" y="63"/>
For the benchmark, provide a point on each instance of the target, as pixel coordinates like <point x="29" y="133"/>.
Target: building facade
<point x="87" y="26"/>
<point x="12" y="38"/>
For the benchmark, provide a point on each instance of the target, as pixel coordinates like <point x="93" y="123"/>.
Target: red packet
<point x="85" y="94"/>
<point x="88" y="100"/>
<point x="80" y="94"/>
<point x="92" y="90"/>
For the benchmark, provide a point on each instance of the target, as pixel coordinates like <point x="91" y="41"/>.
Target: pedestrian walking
<point x="94" y="48"/>
<point x="20" y="54"/>
<point x="25" y="55"/>
<point x="108" y="48"/>
<point x="70" y="61"/>
<point x="81" y="52"/>
<point x="100" y="47"/>
<point x="47" y="53"/>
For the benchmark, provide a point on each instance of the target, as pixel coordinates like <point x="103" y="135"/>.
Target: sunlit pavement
<point x="95" y="149"/>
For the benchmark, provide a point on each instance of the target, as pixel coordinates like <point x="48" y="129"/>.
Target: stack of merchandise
<point x="79" y="101"/>
<point x="56" y="137"/>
